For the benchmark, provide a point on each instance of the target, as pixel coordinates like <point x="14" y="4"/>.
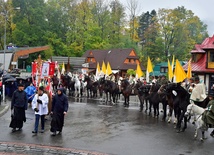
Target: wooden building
<point x="120" y="59"/>
<point x="203" y="61"/>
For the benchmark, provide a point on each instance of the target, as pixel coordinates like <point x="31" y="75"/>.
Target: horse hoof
<point x="178" y="130"/>
<point x="163" y="119"/>
<point x="168" y="121"/>
<point x="202" y="140"/>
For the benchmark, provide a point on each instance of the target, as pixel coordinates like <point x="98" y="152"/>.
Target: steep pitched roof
<point x="208" y="43"/>
<point x="200" y="66"/>
<point x="116" y="58"/>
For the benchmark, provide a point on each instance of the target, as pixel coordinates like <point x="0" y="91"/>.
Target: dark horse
<point x="180" y="102"/>
<point x="89" y="86"/>
<point x="55" y="81"/>
<point x="169" y="97"/>
<point x="155" y="98"/>
<point x="143" y="95"/>
<point x="126" y="90"/>
<point x="68" y="83"/>
<point x="109" y="87"/>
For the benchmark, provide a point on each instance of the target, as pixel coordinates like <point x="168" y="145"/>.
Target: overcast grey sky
<point x="202" y="8"/>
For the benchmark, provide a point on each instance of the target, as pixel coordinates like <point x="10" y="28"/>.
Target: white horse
<point x="194" y="110"/>
<point x="77" y="85"/>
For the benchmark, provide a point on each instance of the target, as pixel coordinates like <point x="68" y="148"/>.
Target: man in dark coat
<point x="208" y="115"/>
<point x="18" y="106"/>
<point x="58" y="111"/>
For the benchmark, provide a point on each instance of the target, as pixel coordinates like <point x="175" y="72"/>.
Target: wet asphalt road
<point x="89" y="125"/>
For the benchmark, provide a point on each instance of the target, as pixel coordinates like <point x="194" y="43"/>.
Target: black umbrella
<point x="11" y="80"/>
<point x="21" y="78"/>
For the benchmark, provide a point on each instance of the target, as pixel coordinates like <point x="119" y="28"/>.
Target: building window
<point x="163" y="69"/>
<point x="193" y="57"/>
<point x="211" y="56"/>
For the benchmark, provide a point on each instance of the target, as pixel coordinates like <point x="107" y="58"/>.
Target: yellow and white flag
<point x="63" y="68"/>
<point x="179" y="73"/>
<point x="139" y="72"/>
<point x="108" y="70"/>
<point x="104" y="68"/>
<point x="149" y="69"/>
<point x="98" y="71"/>
<point x="189" y="71"/>
<point x="170" y="72"/>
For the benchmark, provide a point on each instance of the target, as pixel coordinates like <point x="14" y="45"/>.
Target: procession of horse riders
<point x="157" y="90"/>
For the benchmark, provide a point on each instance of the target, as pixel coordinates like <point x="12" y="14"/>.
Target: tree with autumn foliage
<point x="71" y="27"/>
<point x="170" y="32"/>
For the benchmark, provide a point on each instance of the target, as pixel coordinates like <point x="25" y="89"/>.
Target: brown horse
<point x="110" y="88"/>
<point x="126" y="90"/>
<point x="68" y="83"/>
<point x="143" y="95"/>
<point x="169" y="97"/>
<point x="55" y="81"/>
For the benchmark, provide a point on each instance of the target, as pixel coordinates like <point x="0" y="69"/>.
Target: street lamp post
<point x="5" y="47"/>
<point x="5" y="33"/>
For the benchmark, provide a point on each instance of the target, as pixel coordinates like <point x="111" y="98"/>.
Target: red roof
<point x="208" y="43"/>
<point x="200" y="66"/>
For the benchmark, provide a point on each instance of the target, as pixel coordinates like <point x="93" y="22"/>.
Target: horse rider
<point x="208" y="115"/>
<point x="132" y="79"/>
<point x="144" y="81"/>
<point x="154" y="80"/>
<point x="162" y="80"/>
<point x="119" y="83"/>
<point x="92" y="77"/>
<point x="198" y="92"/>
<point x="112" y="77"/>
<point x="190" y="85"/>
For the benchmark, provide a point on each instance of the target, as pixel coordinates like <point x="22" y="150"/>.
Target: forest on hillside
<point x="71" y="27"/>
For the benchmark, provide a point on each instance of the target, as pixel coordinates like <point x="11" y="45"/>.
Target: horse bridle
<point x="189" y="112"/>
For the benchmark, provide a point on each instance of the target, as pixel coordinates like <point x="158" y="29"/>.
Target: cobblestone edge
<point x="24" y="148"/>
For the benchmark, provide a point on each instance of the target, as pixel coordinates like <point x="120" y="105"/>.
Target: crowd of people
<point x="38" y="99"/>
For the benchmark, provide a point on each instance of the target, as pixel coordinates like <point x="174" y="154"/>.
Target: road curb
<point x="27" y="148"/>
<point x="6" y="108"/>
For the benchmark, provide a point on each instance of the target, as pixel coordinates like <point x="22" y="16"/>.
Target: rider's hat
<point x="20" y="85"/>
<point x="60" y="88"/>
<point x="211" y="94"/>
<point x="41" y="88"/>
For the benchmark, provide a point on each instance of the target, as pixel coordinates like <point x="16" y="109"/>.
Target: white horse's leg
<point x="169" y="119"/>
<point x="175" y="121"/>
<point x="196" y="133"/>
<point x="79" y="91"/>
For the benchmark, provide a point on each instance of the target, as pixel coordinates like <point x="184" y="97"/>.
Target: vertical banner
<point x="51" y="68"/>
<point x="45" y="70"/>
<point x="34" y="67"/>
